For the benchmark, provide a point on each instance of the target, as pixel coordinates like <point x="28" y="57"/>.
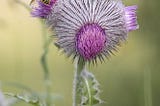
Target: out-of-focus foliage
<point x="131" y="78"/>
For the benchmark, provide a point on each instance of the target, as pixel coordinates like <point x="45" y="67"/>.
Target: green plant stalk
<point x="44" y="64"/>
<point x="89" y="92"/>
<point x="80" y="65"/>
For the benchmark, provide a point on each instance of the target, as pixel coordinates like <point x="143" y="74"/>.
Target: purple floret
<point x="131" y="17"/>
<point x="90" y="41"/>
<point x="42" y="10"/>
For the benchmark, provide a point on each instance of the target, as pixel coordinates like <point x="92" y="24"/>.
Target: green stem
<point x="89" y="91"/>
<point x="44" y="64"/>
<point x="80" y="65"/>
<point x="45" y="51"/>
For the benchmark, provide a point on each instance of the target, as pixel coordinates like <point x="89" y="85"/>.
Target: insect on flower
<point x="90" y="29"/>
<point x="43" y="1"/>
<point x="32" y="1"/>
<point x="42" y="7"/>
<point x="46" y="1"/>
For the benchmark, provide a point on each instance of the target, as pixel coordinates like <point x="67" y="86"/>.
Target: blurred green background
<point x="131" y="78"/>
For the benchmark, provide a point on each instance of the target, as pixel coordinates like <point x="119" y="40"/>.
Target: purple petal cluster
<point x="90" y="41"/>
<point x="131" y="18"/>
<point x="42" y="10"/>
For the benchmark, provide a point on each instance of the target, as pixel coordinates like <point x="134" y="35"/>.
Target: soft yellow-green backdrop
<point x="131" y="78"/>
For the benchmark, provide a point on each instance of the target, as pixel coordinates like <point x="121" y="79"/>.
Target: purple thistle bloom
<point x="131" y="18"/>
<point x="42" y="10"/>
<point x="90" y="29"/>
<point x="90" y="40"/>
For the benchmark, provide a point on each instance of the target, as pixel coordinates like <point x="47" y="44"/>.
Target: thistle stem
<point x="80" y="65"/>
<point x="89" y="92"/>
<point x="44" y="64"/>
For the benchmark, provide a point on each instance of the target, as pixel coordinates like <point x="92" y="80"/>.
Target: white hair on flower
<point x="79" y="23"/>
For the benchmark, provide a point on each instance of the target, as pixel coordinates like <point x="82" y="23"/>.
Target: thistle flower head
<point x="42" y="8"/>
<point x="91" y="29"/>
<point x="131" y="19"/>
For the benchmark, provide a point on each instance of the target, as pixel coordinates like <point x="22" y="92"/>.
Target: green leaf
<point x="89" y="89"/>
<point x="25" y="97"/>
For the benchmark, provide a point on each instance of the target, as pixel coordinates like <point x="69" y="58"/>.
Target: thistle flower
<point x="42" y="8"/>
<point x="89" y="29"/>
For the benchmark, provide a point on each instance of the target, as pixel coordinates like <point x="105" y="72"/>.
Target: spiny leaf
<point x="30" y="99"/>
<point x="89" y="89"/>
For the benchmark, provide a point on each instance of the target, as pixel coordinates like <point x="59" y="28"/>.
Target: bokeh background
<point x="131" y="78"/>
